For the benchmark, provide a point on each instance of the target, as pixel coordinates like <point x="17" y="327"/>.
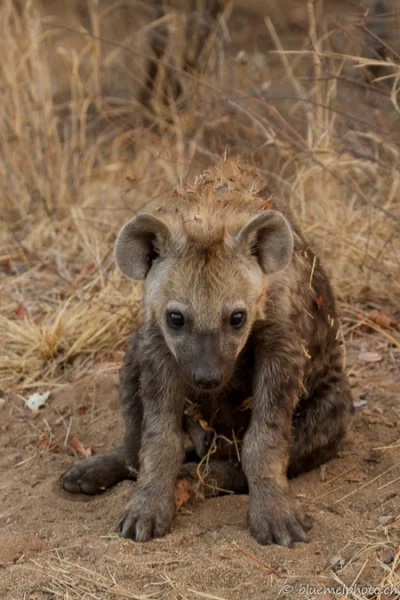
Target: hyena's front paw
<point x="97" y="473"/>
<point x="146" y="517"/>
<point x="275" y="518"/>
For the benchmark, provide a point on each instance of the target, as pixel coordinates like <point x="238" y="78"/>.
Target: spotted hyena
<point x="239" y="322"/>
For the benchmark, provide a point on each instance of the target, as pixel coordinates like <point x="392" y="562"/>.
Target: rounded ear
<point x="269" y="237"/>
<point x="139" y="243"/>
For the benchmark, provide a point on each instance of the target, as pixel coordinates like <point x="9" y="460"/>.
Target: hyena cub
<point x="236" y="306"/>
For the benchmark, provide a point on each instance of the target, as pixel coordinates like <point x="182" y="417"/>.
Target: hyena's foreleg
<point x="152" y="508"/>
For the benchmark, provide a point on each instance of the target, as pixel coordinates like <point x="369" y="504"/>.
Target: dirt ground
<point x="54" y="544"/>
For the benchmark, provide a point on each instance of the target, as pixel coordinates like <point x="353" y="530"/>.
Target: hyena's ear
<point x="269" y="237"/>
<point x="139" y="243"/>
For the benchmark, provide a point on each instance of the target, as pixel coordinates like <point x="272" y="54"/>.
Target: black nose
<point x="207" y="381"/>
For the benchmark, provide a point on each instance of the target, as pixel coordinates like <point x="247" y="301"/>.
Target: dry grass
<point x="73" y="170"/>
<point x="67" y="580"/>
<point x="77" y="159"/>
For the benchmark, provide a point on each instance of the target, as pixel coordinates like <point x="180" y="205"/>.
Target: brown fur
<point x="210" y="250"/>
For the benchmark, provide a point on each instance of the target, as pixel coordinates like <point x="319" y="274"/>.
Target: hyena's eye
<point x="238" y="319"/>
<point x="175" y="320"/>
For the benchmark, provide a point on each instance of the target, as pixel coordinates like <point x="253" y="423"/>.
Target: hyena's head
<point x="204" y="288"/>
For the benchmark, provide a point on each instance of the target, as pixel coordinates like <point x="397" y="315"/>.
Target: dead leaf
<point x="356" y="476"/>
<point x="381" y="319"/>
<point x="80" y="448"/>
<point x="82" y="410"/>
<point x="183" y="492"/>
<point x="247" y="404"/>
<point x="319" y="301"/>
<point x="86" y="269"/>
<point x="268" y="204"/>
<point x="5" y="262"/>
<point x="192" y="410"/>
<point x="204" y="425"/>
<point x="45" y="442"/>
<point x="20" y="312"/>
<point x="370" y="357"/>
<point x="390" y="496"/>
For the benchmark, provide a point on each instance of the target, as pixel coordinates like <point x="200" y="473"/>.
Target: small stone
<point x="370" y="357"/>
<point x="385" y="519"/>
<point x="386" y="555"/>
<point x="241" y="57"/>
<point x="374" y="456"/>
<point x="259" y="60"/>
<point x="337" y="561"/>
<point x="359" y="403"/>
<point x="36" y="400"/>
<point x="266" y="85"/>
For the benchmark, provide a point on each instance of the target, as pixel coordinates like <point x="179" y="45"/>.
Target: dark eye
<point x="238" y="319"/>
<point x="175" y="320"/>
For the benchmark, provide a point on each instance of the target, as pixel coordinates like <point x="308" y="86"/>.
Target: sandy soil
<point x="56" y="545"/>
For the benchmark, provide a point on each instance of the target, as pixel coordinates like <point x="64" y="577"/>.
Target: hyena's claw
<point x="145" y="518"/>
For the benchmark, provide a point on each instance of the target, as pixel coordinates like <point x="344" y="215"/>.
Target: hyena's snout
<point x="208" y="371"/>
<point x="207" y="378"/>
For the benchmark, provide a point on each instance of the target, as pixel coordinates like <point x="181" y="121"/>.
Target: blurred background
<point x="106" y="105"/>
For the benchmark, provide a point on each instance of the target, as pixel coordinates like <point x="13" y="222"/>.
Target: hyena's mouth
<point x="208" y="386"/>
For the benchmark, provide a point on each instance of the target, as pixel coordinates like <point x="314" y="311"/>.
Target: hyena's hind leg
<point x="217" y="477"/>
<point x="320" y="423"/>
<point x="97" y="473"/>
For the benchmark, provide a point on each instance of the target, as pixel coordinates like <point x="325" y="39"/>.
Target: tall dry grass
<point x="77" y="159"/>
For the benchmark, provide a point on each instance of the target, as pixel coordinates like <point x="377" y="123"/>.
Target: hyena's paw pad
<point x="93" y="475"/>
<point x="144" y="518"/>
